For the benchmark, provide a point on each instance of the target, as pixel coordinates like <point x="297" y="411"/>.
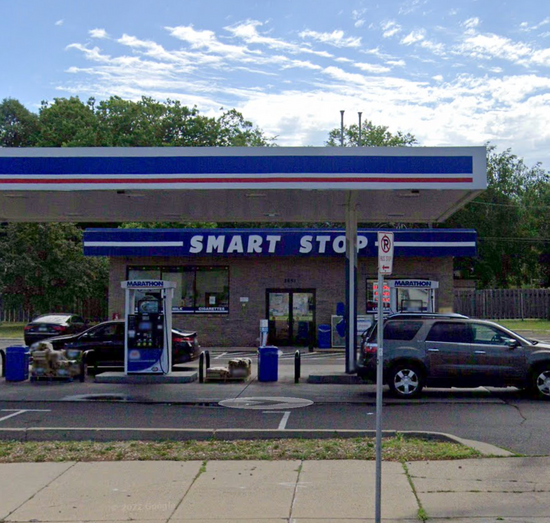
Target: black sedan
<point x="107" y="341"/>
<point x="53" y="324"/>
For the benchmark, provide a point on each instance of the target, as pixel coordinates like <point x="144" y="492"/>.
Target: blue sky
<point x="451" y="73"/>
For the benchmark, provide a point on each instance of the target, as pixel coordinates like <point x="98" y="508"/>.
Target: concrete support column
<point x="351" y="281"/>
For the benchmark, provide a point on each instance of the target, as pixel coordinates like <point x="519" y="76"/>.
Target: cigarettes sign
<point x="385" y="252"/>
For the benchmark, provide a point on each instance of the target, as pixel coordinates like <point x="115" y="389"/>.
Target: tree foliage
<point x="371" y="136"/>
<point x="43" y="268"/>
<point x="18" y="126"/>
<point x="511" y="219"/>
<point x="70" y="122"/>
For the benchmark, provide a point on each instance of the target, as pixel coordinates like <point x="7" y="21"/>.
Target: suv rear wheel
<point x="541" y="382"/>
<point x="405" y="380"/>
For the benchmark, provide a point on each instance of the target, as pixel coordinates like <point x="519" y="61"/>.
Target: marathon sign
<point x="413" y="284"/>
<point x="147" y="284"/>
<point x="273" y="242"/>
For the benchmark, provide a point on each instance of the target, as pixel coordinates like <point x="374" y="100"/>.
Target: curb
<point x="125" y="434"/>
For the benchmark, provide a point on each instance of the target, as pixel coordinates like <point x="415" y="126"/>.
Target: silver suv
<point x="454" y="351"/>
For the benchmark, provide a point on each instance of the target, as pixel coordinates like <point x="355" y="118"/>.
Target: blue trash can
<point x="268" y="363"/>
<point x="323" y="336"/>
<point x="17" y="363"/>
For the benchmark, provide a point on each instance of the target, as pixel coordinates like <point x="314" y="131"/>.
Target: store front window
<point x="198" y="289"/>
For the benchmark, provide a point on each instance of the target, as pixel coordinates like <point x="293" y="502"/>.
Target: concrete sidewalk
<point x="485" y="490"/>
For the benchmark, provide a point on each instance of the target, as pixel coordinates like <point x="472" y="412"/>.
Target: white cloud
<point x="390" y="28"/>
<point x="525" y="26"/>
<point x="98" y="33"/>
<point x="372" y="68"/>
<point x="60" y="22"/>
<point x="207" y="40"/>
<point x="413" y="37"/>
<point x="248" y="32"/>
<point x="336" y="38"/>
<point x="471" y="23"/>
<point x="358" y="17"/>
<point x="263" y="76"/>
<point x="396" y="63"/>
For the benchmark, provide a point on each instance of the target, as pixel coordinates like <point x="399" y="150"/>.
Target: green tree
<point x="67" y="122"/>
<point x="115" y="122"/>
<point x="18" y="126"/>
<point x="371" y="136"/>
<point x="509" y="223"/>
<point x="43" y="268"/>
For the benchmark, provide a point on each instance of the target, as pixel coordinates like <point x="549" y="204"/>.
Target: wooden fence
<point x="503" y="303"/>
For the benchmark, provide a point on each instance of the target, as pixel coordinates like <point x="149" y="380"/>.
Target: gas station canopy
<point x="268" y="184"/>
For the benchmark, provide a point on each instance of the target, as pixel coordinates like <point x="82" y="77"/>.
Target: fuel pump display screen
<point x="145" y="326"/>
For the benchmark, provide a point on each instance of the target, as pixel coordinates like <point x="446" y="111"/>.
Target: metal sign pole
<point x="379" y="379"/>
<point x="385" y="266"/>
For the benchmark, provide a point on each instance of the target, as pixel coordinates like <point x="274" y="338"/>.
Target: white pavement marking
<point x="265" y="403"/>
<point x="218" y="357"/>
<point x="16" y="412"/>
<point x="284" y="419"/>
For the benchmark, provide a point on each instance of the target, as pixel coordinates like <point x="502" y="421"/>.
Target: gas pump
<point x="412" y="295"/>
<point x="148" y="326"/>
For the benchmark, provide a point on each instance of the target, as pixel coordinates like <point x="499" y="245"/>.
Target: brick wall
<point x="250" y="277"/>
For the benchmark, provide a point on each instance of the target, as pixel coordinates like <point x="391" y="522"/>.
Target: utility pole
<point x="359" y="142"/>
<point x="342" y="128"/>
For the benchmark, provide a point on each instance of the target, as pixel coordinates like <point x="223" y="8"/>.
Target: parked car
<point x="454" y="351"/>
<point x="107" y="341"/>
<point x="53" y="324"/>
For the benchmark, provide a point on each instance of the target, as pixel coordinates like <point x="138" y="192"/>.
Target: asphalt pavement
<point x="500" y="418"/>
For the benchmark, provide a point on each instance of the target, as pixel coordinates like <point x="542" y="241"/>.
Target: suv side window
<point x="488" y="335"/>
<point x="452" y="332"/>
<point x="401" y="330"/>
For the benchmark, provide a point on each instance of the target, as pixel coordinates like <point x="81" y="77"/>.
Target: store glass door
<point x="291" y="316"/>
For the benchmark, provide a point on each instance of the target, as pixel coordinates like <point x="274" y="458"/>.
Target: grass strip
<point x="394" y="449"/>
<point x="11" y="330"/>
<point x="528" y="325"/>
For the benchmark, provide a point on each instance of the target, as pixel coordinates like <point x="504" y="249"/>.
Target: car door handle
<point x="433" y="350"/>
<point x="479" y="352"/>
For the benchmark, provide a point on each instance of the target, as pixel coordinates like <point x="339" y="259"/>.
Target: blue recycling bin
<point x="268" y="363"/>
<point x="17" y="363"/>
<point x="323" y="336"/>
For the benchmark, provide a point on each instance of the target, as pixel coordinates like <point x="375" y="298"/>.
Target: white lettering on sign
<point x="215" y="243"/>
<point x="273" y="240"/>
<point x="339" y="244"/>
<point x="235" y="245"/>
<point x="322" y="241"/>
<point x="196" y="244"/>
<point x="254" y="244"/>
<point x="305" y="244"/>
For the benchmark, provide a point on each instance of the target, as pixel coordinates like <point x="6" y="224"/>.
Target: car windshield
<point x="52" y="318"/>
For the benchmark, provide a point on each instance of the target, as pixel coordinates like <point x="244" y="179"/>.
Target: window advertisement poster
<point x="199" y="289"/>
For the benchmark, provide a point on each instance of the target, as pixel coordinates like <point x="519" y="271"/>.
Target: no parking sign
<point x="385" y="252"/>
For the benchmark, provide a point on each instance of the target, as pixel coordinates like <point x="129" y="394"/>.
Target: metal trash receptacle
<point x="17" y="363"/>
<point x="268" y="363"/>
<point x="323" y="336"/>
